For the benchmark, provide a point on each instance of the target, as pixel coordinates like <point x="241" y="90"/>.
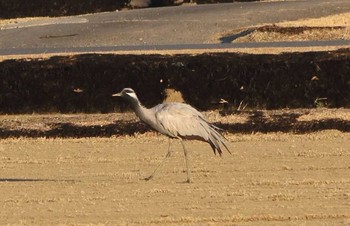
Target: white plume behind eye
<point x="131" y="94"/>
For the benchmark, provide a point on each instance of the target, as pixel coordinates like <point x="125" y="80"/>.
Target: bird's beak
<point x="116" y="95"/>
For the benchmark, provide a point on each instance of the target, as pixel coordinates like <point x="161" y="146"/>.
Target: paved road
<point x="168" y="26"/>
<point x="224" y="46"/>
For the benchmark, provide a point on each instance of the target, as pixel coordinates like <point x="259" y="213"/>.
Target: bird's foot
<point x="148" y="178"/>
<point x="189" y="180"/>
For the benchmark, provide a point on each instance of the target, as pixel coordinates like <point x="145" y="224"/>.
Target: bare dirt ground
<point x="295" y="173"/>
<point x="289" y="167"/>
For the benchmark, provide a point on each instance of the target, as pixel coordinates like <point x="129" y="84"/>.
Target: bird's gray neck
<point x="136" y="105"/>
<point x="140" y="111"/>
<point x="148" y="116"/>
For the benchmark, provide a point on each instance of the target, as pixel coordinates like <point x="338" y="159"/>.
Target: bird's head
<point x="126" y="93"/>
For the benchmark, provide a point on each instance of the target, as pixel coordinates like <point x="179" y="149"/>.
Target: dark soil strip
<point x="24" y="8"/>
<point x="84" y="83"/>
<point x="296" y="30"/>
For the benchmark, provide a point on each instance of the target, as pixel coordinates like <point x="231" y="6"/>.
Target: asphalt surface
<point x="188" y="26"/>
<point x="101" y="49"/>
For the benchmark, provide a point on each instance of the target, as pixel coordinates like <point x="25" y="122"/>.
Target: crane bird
<point x="176" y="120"/>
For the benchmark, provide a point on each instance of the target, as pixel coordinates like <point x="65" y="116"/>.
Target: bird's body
<point x="177" y="120"/>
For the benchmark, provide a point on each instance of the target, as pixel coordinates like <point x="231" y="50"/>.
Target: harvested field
<point x="289" y="167"/>
<point x="334" y="27"/>
<point x="284" y="177"/>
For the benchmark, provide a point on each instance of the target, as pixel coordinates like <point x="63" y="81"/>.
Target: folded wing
<point x="182" y="120"/>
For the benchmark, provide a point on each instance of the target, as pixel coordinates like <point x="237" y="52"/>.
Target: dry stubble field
<point x="274" y="178"/>
<point x="293" y="171"/>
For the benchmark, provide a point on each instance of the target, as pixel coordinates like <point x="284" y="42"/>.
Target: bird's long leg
<point x="189" y="180"/>
<point x="162" y="162"/>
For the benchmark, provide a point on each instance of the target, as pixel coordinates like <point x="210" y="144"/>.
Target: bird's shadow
<point x="71" y="130"/>
<point x="257" y="121"/>
<point x="35" y="180"/>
